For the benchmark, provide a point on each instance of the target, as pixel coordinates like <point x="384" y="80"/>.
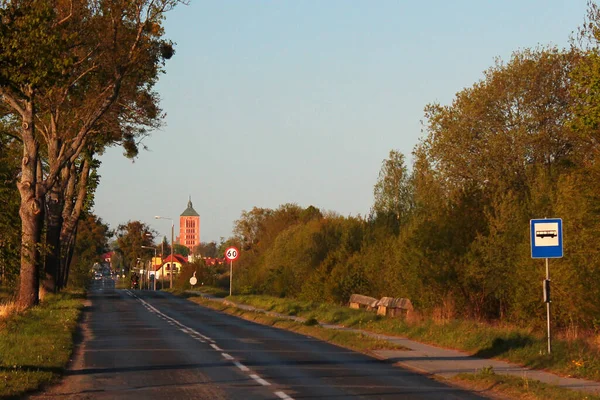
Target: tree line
<point x="452" y="231"/>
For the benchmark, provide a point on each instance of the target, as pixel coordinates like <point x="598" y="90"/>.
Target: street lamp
<point x="172" y="248"/>
<point x="153" y="248"/>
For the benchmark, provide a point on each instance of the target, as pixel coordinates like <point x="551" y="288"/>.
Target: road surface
<point x="153" y="345"/>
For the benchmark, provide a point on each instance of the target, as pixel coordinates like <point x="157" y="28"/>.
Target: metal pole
<point x="148" y="275"/>
<point x="548" y="311"/>
<point x="230" y="276"/>
<point x="172" y="254"/>
<point x="162" y="265"/>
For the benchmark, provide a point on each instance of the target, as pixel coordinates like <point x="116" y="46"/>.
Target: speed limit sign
<point x="232" y="253"/>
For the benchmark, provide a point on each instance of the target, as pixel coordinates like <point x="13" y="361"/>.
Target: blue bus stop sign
<point x="546" y="238"/>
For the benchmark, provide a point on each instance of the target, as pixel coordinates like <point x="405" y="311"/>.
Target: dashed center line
<point x="204" y="339"/>
<point x="259" y="380"/>
<point x="241" y="366"/>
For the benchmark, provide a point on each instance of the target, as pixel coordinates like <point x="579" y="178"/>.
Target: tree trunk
<point x="73" y="205"/>
<point x="31" y="213"/>
<point x="54" y="225"/>
<point x="68" y="257"/>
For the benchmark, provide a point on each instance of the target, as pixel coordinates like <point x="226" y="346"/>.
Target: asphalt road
<point x="152" y="345"/>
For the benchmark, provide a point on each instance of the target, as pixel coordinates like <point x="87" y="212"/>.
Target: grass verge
<point x="517" y="387"/>
<point x="213" y="291"/>
<point x="35" y="345"/>
<point x="572" y="358"/>
<point x="347" y="339"/>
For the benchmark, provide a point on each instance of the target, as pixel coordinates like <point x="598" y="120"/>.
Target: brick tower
<point x="189" y="227"/>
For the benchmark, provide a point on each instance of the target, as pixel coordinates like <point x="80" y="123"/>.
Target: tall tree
<point x="130" y="239"/>
<point x="516" y="119"/>
<point x="92" y="242"/>
<point x="393" y="191"/>
<point x="83" y="72"/>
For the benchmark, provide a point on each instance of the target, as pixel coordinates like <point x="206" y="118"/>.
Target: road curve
<point x="153" y="345"/>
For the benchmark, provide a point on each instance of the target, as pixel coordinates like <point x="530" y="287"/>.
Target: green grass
<point x="347" y="339"/>
<point x="215" y="291"/>
<point x="517" y="387"/>
<point x="35" y="345"/>
<point x="574" y="358"/>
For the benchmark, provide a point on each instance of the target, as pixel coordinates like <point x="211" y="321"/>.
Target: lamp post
<point x="153" y="248"/>
<point x="172" y="249"/>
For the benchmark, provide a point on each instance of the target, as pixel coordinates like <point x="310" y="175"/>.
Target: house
<point x="176" y="262"/>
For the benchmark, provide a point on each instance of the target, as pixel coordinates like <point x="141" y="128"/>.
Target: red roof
<point x="213" y="261"/>
<point x="178" y="259"/>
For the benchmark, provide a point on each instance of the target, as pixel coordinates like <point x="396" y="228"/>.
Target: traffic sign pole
<point x="231" y="254"/>
<point x="548" y="309"/>
<point x="547" y="242"/>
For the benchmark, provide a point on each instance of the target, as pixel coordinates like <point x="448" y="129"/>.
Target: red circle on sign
<point x="232" y="253"/>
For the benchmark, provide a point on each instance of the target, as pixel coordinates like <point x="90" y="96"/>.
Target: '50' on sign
<point x="232" y="253"/>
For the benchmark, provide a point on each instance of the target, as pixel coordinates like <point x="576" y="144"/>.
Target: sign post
<point x="547" y="242"/>
<point x="193" y="280"/>
<point x="231" y="254"/>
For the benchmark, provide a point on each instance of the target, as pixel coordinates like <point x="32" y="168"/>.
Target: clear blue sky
<point x="273" y="102"/>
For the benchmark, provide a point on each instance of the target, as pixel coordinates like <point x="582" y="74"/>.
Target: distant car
<point x="97" y="276"/>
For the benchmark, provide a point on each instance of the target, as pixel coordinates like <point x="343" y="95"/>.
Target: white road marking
<point x="241" y="366"/>
<point x="259" y="380"/>
<point x="202" y="338"/>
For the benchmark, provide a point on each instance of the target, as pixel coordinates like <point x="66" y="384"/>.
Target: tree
<point x="92" y="242"/>
<point x="511" y="125"/>
<point x="182" y="249"/>
<point x="130" y="239"/>
<point x="586" y="83"/>
<point x="165" y="247"/>
<point x="393" y="191"/>
<point x="79" y="76"/>
<point x="491" y="161"/>
<point x="207" y="249"/>
<point x="250" y="227"/>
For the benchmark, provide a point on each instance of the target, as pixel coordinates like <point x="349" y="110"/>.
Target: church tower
<point x="189" y="227"/>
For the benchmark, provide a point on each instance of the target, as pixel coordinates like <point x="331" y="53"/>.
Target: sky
<point x="271" y="102"/>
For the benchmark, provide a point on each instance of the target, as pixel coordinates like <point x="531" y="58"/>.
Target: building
<point x="189" y="227"/>
<point x="169" y="263"/>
